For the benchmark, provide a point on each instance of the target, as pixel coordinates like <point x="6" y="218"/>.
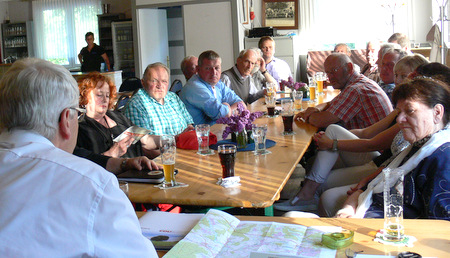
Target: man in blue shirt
<point x="205" y="96"/>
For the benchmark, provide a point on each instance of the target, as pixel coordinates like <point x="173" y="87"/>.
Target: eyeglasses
<point x="333" y="71"/>
<point x="156" y="81"/>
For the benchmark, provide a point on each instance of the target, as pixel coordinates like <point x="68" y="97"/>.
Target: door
<point x="152" y="42"/>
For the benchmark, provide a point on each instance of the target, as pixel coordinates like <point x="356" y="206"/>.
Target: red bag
<point x="188" y="140"/>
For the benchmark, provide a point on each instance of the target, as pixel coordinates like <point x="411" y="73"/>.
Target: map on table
<point x="219" y="234"/>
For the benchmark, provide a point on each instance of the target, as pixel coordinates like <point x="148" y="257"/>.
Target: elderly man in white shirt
<point x="53" y="203"/>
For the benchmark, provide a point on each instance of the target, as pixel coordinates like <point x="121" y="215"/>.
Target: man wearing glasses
<point x="360" y="104"/>
<point x="53" y="203"/>
<point x="156" y="108"/>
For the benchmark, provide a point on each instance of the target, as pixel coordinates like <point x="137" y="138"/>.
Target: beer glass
<point x="393" y="204"/>
<point x="202" y="131"/>
<point x="287" y="113"/>
<point x="227" y="154"/>
<point x="319" y="82"/>
<point x="168" y="150"/>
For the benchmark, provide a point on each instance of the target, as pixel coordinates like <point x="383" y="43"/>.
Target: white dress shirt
<point x="54" y="204"/>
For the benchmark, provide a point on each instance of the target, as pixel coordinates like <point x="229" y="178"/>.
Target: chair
<point x="130" y="84"/>
<point x="176" y="86"/>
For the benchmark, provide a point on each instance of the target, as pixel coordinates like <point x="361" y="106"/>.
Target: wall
<point x="122" y="6"/>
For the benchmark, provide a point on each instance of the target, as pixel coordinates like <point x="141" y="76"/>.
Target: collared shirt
<point x="55" y="204"/>
<point x="243" y="86"/>
<point x="388" y="88"/>
<point x="199" y="99"/>
<point x="279" y="69"/>
<point x="227" y="80"/>
<point x="361" y="103"/>
<point x="171" y="118"/>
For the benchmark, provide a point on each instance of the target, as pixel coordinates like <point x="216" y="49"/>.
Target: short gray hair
<point x="184" y="61"/>
<point x="209" y="55"/>
<point x="386" y="47"/>
<point x="245" y="51"/>
<point x="33" y="93"/>
<point x="155" y="65"/>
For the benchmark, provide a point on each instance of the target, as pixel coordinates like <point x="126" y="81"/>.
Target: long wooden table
<point x="262" y="177"/>
<point x="433" y="236"/>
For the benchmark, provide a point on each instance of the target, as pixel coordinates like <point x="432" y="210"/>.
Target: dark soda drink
<point x="227" y="161"/>
<point x="287" y="122"/>
<point x="271" y="111"/>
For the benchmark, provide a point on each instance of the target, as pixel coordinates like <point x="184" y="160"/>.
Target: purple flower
<point x="241" y="119"/>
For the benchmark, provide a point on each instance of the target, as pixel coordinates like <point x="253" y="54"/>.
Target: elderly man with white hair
<point x="239" y="77"/>
<point x="54" y="203"/>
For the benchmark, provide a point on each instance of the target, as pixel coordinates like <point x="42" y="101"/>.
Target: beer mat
<point x="406" y="241"/>
<point x="229" y="181"/>
<point x="143" y="176"/>
<point x="178" y="185"/>
<point x="250" y="146"/>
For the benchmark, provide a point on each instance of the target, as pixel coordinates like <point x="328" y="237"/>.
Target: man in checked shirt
<point x="155" y="108"/>
<point x="360" y="104"/>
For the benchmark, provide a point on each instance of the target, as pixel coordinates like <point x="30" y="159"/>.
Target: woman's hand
<point x="322" y="141"/>
<point x="119" y="148"/>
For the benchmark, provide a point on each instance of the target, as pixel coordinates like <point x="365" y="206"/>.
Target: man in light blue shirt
<point x="155" y="108"/>
<point x="205" y="96"/>
<point x="276" y="67"/>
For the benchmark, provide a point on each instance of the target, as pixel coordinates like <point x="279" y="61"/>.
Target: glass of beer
<point x="287" y="113"/>
<point x="319" y="82"/>
<point x="168" y="150"/>
<point x="393" y="204"/>
<point x="298" y="98"/>
<point x="227" y="154"/>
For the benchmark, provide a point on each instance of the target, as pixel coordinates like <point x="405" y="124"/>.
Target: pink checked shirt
<point x="361" y="103"/>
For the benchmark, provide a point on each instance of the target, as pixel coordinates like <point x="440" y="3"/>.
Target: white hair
<point x="33" y="93"/>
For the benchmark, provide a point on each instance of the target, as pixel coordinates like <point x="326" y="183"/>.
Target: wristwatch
<point x="264" y="72"/>
<point x="335" y="145"/>
<point x="123" y="165"/>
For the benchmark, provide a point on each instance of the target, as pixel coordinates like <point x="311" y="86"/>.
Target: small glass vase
<point x="240" y="138"/>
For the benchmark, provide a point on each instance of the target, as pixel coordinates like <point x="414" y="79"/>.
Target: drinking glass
<point x="298" y="98"/>
<point x="202" y="131"/>
<point x="271" y="89"/>
<point x="393" y="204"/>
<point x="227" y="154"/>
<point x="123" y="185"/>
<point x="287" y="113"/>
<point x="270" y="103"/>
<point x="168" y="150"/>
<point x="319" y="82"/>
<point x="259" y="136"/>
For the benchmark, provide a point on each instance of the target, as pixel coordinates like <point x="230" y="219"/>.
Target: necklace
<point x="109" y="128"/>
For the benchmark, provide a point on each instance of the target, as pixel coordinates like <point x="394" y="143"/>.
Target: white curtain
<point x="60" y="26"/>
<point x="327" y="22"/>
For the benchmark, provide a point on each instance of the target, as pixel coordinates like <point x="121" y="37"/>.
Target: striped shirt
<point x="361" y="103"/>
<point x="171" y="118"/>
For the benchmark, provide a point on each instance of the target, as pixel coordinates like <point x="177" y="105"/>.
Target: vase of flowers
<point x="295" y="86"/>
<point x="238" y="124"/>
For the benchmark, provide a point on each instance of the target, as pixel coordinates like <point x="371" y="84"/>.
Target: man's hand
<point x="262" y="64"/>
<point x="346" y="212"/>
<point x="230" y="111"/>
<point x="140" y="163"/>
<point x="304" y="115"/>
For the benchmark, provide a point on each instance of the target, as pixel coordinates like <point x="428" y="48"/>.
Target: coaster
<point x="163" y="187"/>
<point x="210" y="152"/>
<point x="406" y="241"/>
<point x="229" y="181"/>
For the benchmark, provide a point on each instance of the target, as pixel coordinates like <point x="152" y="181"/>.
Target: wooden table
<point x="433" y="236"/>
<point x="262" y="177"/>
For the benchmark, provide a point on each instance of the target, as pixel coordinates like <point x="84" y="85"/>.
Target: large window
<point x="60" y="26"/>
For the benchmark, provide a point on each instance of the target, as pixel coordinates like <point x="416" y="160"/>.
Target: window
<point x="60" y="26"/>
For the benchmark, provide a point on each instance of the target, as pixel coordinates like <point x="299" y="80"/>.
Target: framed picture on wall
<point x="280" y="14"/>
